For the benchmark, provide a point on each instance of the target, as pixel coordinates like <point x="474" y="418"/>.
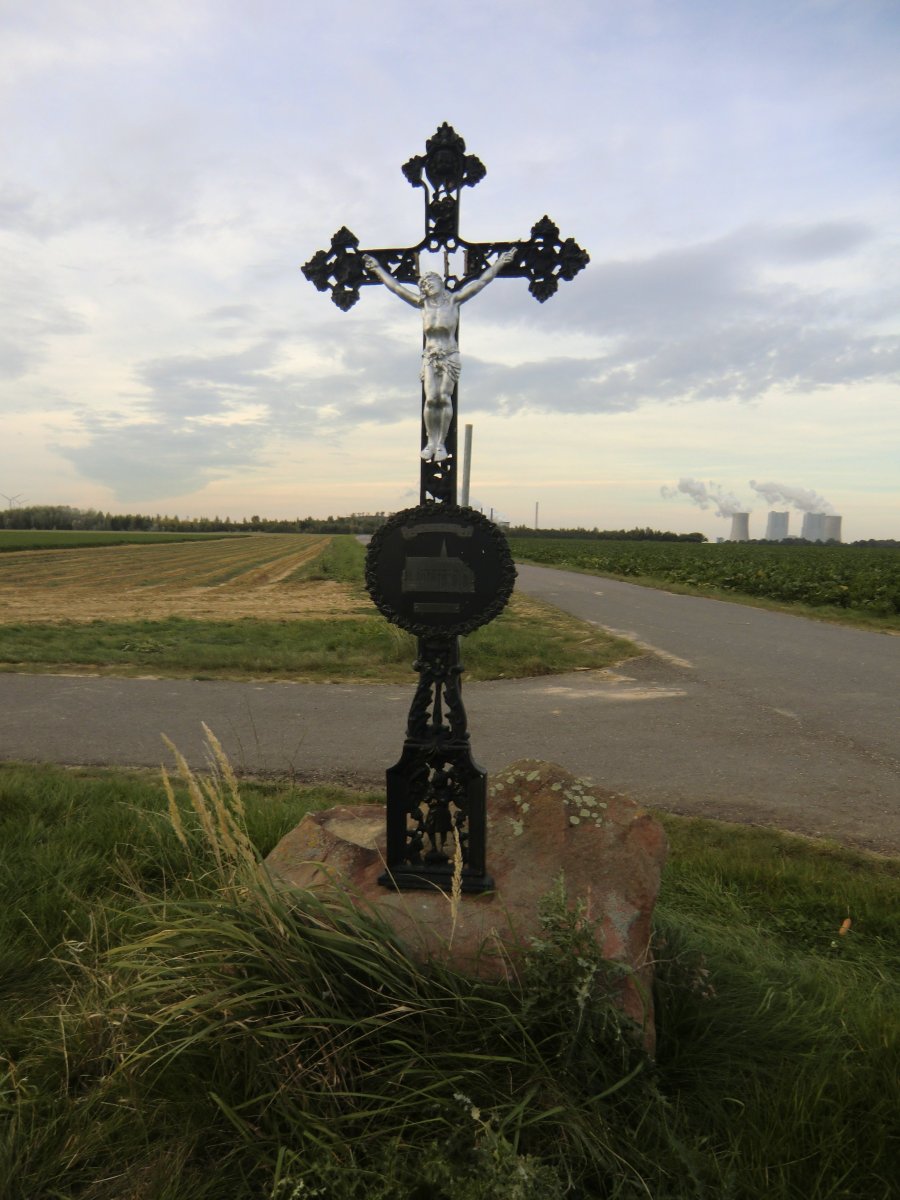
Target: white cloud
<point x="731" y="170"/>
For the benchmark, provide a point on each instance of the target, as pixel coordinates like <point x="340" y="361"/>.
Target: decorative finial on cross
<point x="448" y="169"/>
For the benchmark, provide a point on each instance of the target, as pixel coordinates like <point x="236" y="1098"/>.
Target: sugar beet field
<point x="851" y="578"/>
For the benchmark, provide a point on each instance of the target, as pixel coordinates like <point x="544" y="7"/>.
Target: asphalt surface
<point x="731" y="712"/>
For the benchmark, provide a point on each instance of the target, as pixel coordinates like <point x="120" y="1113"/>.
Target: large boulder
<point x="546" y="830"/>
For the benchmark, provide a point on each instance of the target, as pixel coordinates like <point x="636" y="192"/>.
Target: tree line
<point x="62" y="516"/>
<point x="608" y="535"/>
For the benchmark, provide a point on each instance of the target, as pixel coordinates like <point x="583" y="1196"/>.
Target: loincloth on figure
<point x="444" y="362"/>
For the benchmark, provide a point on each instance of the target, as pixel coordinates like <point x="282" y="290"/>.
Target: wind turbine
<point x="12" y="500"/>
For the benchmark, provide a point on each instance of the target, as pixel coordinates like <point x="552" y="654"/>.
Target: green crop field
<point x="851" y="578"/>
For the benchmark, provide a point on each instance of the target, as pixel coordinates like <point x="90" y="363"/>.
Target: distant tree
<point x="617" y="535"/>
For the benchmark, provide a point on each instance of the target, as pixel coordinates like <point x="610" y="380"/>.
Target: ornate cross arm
<point x="340" y="269"/>
<point x="543" y="260"/>
<point x="442" y="171"/>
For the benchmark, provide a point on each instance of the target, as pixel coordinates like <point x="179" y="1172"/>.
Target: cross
<point x="436" y="788"/>
<point x="442" y="172"/>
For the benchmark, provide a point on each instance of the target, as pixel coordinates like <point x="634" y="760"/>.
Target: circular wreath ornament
<point x="439" y="569"/>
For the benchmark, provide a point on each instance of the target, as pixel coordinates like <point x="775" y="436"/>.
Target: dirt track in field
<point x="210" y="580"/>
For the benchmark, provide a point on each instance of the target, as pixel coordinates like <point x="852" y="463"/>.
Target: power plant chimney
<point x="740" y="527"/>
<point x="831" y="531"/>
<point x="777" y="526"/>
<point x="813" y="527"/>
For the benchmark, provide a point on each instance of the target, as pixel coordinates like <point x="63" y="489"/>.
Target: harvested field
<point x="259" y="576"/>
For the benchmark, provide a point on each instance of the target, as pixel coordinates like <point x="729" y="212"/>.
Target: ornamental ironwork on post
<point x="439" y="570"/>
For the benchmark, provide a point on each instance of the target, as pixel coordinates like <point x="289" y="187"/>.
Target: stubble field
<point x="265" y="606"/>
<point x="264" y="576"/>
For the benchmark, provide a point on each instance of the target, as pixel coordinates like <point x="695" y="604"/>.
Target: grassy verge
<point x="529" y="639"/>
<point x="170" y="1029"/>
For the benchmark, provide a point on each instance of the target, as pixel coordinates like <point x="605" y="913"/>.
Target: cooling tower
<point x="831" y="531"/>
<point x="740" y="527"/>
<point x="777" y="526"/>
<point x="813" y="527"/>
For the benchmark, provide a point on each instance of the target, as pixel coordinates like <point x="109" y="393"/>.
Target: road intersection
<point x="731" y="712"/>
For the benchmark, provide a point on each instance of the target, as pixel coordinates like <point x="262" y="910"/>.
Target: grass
<point x="247" y="648"/>
<point x="529" y="639"/>
<point x="342" y="560"/>
<point x="172" y="1029"/>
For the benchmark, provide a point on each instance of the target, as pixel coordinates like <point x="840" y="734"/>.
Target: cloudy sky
<point x="731" y="168"/>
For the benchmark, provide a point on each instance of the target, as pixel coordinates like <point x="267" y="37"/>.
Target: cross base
<point x="408" y="879"/>
<point x="436" y="792"/>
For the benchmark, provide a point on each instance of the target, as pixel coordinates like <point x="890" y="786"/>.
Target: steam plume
<point x="801" y="498"/>
<point x="704" y="495"/>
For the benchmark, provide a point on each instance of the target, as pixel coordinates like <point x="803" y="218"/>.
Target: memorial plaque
<point x="439" y="569"/>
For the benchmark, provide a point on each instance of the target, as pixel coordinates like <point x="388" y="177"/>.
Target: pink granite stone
<point x="543" y="825"/>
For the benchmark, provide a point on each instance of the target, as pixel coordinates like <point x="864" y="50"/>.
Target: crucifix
<point x="442" y="172"/>
<point x="438" y="570"/>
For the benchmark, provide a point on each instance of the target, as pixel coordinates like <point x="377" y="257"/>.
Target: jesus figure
<point x="440" y="355"/>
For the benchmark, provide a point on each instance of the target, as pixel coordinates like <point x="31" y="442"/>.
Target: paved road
<point x="732" y="712"/>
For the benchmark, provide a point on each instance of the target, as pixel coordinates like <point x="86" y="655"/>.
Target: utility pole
<point x="467" y="466"/>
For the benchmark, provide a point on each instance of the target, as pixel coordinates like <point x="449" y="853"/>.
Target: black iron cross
<point x="437" y="791"/>
<point x="442" y="172"/>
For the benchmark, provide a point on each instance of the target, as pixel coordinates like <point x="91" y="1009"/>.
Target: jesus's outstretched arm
<point x="373" y="265"/>
<point x="472" y="289"/>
